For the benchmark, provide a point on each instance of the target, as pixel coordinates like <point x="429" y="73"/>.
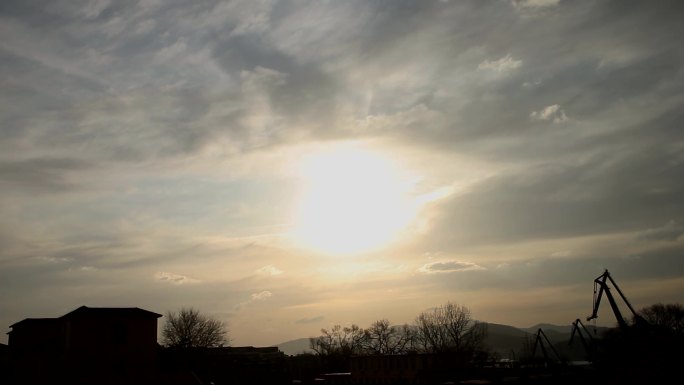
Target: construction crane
<point x="542" y="340"/>
<point x="588" y="343"/>
<point x="600" y="287"/>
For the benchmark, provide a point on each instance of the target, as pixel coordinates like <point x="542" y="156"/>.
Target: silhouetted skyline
<point x="287" y="166"/>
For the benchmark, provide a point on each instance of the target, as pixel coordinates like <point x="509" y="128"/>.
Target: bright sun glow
<point x="354" y="200"/>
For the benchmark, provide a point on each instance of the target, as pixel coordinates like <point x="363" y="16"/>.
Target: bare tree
<point x="338" y="341"/>
<point x="450" y="328"/>
<point x="382" y="338"/>
<point x="189" y="328"/>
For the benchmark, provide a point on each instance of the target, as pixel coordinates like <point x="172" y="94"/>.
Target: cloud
<point x="671" y="231"/>
<point x="93" y="9"/>
<point x="175" y="279"/>
<point x="506" y="63"/>
<point x="552" y="112"/>
<point x="254" y="297"/>
<point x="535" y="3"/>
<point x="448" y="267"/>
<point x="311" y="320"/>
<point x="592" y="194"/>
<point x="532" y="84"/>
<point x="261" y="295"/>
<point x="269" y="270"/>
<point x="55" y="259"/>
<point x="43" y="174"/>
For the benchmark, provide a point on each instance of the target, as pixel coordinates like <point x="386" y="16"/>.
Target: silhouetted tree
<point x="382" y="338"/>
<point x="338" y="341"/>
<point x="188" y="329"/>
<point x="450" y="328"/>
<point x="667" y="317"/>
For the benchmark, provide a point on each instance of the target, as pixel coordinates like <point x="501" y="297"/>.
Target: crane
<point x="601" y="283"/>
<point x="588" y="343"/>
<point x="541" y="342"/>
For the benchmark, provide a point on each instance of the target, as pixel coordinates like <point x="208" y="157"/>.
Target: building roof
<point x="110" y="311"/>
<point x="85" y="311"/>
<point x="34" y="321"/>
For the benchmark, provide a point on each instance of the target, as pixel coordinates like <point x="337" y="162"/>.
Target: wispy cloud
<point x="448" y="267"/>
<point x="54" y="259"/>
<point x="43" y="174"/>
<point x="261" y="295"/>
<point x="506" y="63"/>
<point x="269" y="270"/>
<point x="671" y="231"/>
<point x="535" y="3"/>
<point x="173" y="278"/>
<point x="553" y="113"/>
<point x="253" y="298"/>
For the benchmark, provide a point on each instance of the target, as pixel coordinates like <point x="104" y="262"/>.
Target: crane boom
<point x="601" y="282"/>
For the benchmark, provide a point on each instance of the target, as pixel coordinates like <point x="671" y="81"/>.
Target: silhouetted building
<point x="408" y="369"/>
<point x="119" y="346"/>
<point x="391" y="369"/>
<point x="230" y="365"/>
<point x="87" y="343"/>
<point x="4" y="363"/>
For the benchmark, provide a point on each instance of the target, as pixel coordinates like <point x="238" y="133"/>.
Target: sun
<point x="353" y="200"/>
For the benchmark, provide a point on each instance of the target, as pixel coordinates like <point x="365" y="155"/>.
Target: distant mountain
<point x="547" y="327"/>
<point x="507" y="341"/>
<point x="294" y="347"/>
<point x="558" y="330"/>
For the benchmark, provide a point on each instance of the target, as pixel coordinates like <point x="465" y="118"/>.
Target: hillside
<point x="295" y="347"/>
<point x="507" y="341"/>
<point x="548" y="327"/>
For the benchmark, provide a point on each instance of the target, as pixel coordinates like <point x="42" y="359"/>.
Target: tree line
<point x="449" y="328"/>
<point x="445" y="329"/>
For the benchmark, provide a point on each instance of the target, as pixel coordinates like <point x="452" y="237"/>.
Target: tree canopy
<point x="450" y="328"/>
<point x="668" y="317"/>
<point x="188" y="328"/>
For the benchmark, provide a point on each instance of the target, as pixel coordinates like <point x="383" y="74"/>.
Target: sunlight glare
<point x="354" y="200"/>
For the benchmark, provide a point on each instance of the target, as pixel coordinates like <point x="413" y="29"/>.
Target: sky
<point x="284" y="166"/>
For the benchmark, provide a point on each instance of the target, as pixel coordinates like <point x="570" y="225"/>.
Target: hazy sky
<point x="288" y="165"/>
